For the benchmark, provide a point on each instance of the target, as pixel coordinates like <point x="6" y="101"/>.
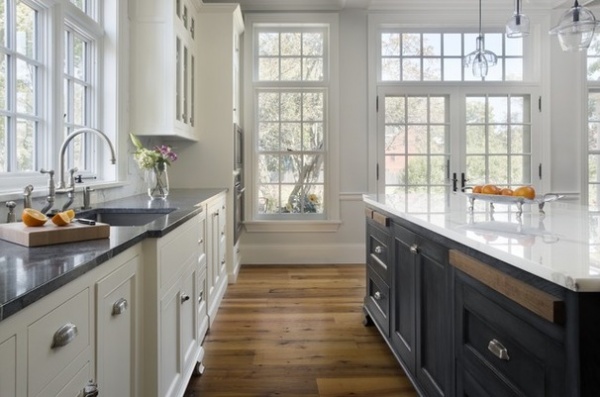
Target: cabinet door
<point x="434" y="332"/>
<point x="170" y="370"/>
<point x="117" y="331"/>
<point x="8" y="367"/>
<point x="189" y="321"/>
<point x="403" y="308"/>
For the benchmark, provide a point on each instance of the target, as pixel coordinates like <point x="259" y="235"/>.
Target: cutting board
<point x="49" y="234"/>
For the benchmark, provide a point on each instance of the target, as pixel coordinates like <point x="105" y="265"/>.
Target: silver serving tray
<point x="540" y="200"/>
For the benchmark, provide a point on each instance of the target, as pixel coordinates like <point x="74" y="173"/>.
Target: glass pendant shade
<point x="480" y="59"/>
<point x="518" y="25"/>
<point x="575" y="28"/>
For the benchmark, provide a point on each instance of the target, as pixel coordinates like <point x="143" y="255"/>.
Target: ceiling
<point x="396" y="5"/>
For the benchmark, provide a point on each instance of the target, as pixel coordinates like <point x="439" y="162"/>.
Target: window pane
<point x="417" y="139"/>
<point x="79" y="104"/>
<point x="593" y="167"/>
<point x="268" y="69"/>
<point x="395" y="168"/>
<point x="498" y="171"/>
<point x="417" y="109"/>
<point x="475" y="139"/>
<point x="291" y="69"/>
<point x="290" y="167"/>
<point x="390" y="44"/>
<point x="268" y="166"/>
<point x="268" y="44"/>
<point x="514" y="69"/>
<point x="394" y="140"/>
<point x="411" y="69"/>
<point x="313" y="136"/>
<point x="394" y="110"/>
<point x="268" y="136"/>
<point x="498" y="139"/>
<point x="312" y="44"/>
<point x="475" y="110"/>
<point x="438" y="169"/>
<point x="290" y="106"/>
<point x="476" y="171"/>
<point x="312" y="167"/>
<point x="498" y="109"/>
<point x="268" y="199"/>
<point x="79" y="58"/>
<point x="417" y="170"/>
<point x="291" y="44"/>
<point x="411" y="44"/>
<point x="390" y="69"/>
<point x="25" y="87"/>
<point x="452" y="44"/>
<point x="519" y="170"/>
<point x="437" y="110"/>
<point x="26" y="30"/>
<point x="2" y="24"/>
<point x="453" y="69"/>
<point x="439" y="139"/>
<point x="3" y="80"/>
<point x="432" y="69"/>
<point x="268" y="106"/>
<point x="3" y="144"/>
<point x="313" y="69"/>
<point x="432" y="44"/>
<point x="25" y="145"/>
<point x="291" y="136"/>
<point x="312" y="106"/>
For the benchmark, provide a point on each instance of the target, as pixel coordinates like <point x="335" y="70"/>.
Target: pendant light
<point x="480" y="59"/>
<point x="518" y="25"/>
<point x="575" y="28"/>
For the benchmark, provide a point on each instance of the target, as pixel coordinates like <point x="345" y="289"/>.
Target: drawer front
<point x="52" y="344"/>
<point x="175" y="252"/>
<point x="378" y="251"/>
<point x="202" y="239"/>
<point x="378" y="301"/>
<point x="507" y="347"/>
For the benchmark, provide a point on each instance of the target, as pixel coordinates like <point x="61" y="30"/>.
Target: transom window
<point x="593" y="116"/>
<point x="291" y="105"/>
<point x="410" y="56"/>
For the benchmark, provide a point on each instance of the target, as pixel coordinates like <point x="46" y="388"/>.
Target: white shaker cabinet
<point x="117" y="311"/>
<point x="216" y="272"/>
<point x="171" y="290"/>
<point x="51" y="347"/>
<point x="164" y="68"/>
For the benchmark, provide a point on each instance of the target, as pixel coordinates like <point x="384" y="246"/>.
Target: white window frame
<point x="331" y="221"/>
<point x="439" y="23"/>
<point x="106" y="22"/>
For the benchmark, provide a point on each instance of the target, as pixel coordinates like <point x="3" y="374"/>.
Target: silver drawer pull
<point x="185" y="298"/>
<point x="200" y="296"/>
<point x="498" y="350"/>
<point x="119" y="306"/>
<point x="377" y="295"/>
<point x="414" y="249"/>
<point x="65" y="335"/>
<point x="201" y="241"/>
<point x="378" y="249"/>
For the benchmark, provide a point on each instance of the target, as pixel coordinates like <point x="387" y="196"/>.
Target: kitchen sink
<point x="125" y="216"/>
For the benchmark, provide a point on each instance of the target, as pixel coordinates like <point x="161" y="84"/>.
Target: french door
<point x="439" y="139"/>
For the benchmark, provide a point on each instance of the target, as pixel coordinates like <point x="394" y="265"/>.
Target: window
<point x="413" y="56"/>
<point x="593" y="117"/>
<point x="38" y="107"/>
<point x="291" y="95"/>
<point x="20" y="87"/>
<point x="456" y="130"/>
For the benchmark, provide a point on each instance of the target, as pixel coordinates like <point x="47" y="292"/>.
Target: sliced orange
<point x="32" y="217"/>
<point x="70" y="213"/>
<point x="61" y="219"/>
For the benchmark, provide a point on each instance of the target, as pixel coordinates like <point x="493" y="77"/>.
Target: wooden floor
<point x="297" y="331"/>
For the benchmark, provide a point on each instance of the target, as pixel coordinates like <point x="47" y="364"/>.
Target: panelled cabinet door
<point x="116" y="339"/>
<point x="169" y="355"/>
<point x="8" y="367"/>
<point x="189" y="312"/>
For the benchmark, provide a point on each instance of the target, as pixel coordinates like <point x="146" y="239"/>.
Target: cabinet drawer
<point x="176" y="250"/>
<point x="53" y="344"/>
<point x="377" y="301"/>
<point x="505" y="347"/>
<point x="378" y="251"/>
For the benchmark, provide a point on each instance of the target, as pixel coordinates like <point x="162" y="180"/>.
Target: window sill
<point x="292" y="226"/>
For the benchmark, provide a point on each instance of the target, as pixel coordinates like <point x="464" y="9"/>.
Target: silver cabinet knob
<point x="184" y="298"/>
<point x="414" y="249"/>
<point x="200" y="296"/>
<point x="64" y="335"/>
<point x="377" y="295"/>
<point x="498" y="350"/>
<point x="201" y="241"/>
<point x="378" y="249"/>
<point x="119" y="306"/>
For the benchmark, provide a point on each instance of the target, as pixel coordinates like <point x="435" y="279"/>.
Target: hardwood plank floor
<point x="296" y="331"/>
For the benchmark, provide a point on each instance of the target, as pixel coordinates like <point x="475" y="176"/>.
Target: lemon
<point x="32" y="217"/>
<point x="70" y="213"/>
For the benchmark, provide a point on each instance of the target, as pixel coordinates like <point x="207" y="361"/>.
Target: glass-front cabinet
<point x="163" y="78"/>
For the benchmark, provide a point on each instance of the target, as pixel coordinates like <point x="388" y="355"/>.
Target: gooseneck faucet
<point x="62" y="188"/>
<point x="27" y="196"/>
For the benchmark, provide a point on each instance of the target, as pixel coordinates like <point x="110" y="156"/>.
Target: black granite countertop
<point x="29" y="274"/>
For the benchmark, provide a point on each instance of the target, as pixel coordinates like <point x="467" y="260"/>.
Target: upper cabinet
<point x="164" y="68"/>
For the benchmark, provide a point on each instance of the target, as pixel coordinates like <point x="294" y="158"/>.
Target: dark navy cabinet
<point x="464" y="324"/>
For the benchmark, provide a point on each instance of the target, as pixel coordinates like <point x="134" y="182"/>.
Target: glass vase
<point x="157" y="181"/>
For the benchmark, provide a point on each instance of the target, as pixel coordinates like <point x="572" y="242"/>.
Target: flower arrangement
<point x="155" y="163"/>
<point x="302" y="204"/>
<point x="159" y="157"/>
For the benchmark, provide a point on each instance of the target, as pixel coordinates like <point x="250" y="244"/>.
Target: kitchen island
<point x="128" y="312"/>
<point x="486" y="302"/>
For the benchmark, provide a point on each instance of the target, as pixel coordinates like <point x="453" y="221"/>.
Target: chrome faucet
<point x="27" y="196"/>
<point x="61" y="187"/>
<point x="51" y="191"/>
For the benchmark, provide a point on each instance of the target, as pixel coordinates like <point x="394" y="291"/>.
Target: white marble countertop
<point x="561" y="246"/>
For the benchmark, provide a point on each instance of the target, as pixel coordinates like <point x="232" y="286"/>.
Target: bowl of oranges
<point x="505" y="195"/>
